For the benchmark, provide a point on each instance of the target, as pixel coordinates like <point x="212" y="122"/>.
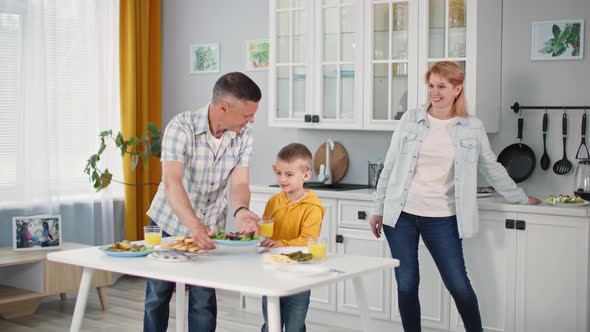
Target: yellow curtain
<point x="140" y="39"/>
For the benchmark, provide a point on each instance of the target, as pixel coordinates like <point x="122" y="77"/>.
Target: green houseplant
<point x="144" y="147"/>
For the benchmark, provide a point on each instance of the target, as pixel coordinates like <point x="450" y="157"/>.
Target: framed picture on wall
<point x="204" y="58"/>
<point x="36" y="232"/>
<point x="257" y="53"/>
<point x="557" y="40"/>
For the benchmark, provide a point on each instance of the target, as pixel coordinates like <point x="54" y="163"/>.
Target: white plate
<point x="168" y="257"/>
<point x="569" y="204"/>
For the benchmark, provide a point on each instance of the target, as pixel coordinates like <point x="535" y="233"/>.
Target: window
<point x="59" y="86"/>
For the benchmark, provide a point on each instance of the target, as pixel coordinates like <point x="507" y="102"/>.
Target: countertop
<point x="495" y="202"/>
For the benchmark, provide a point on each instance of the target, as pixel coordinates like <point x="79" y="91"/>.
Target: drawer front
<point x="354" y="214"/>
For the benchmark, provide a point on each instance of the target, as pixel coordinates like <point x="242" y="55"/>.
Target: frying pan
<point x="518" y="158"/>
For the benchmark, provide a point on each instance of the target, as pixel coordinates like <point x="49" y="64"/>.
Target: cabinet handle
<point x="315" y="118"/>
<point x="509" y="223"/>
<point x="362" y="215"/>
<point x="520" y="225"/>
<point x="307" y="118"/>
<point x="339" y="238"/>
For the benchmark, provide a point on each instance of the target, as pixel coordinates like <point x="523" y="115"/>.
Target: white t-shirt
<point x="214" y="143"/>
<point x="432" y="191"/>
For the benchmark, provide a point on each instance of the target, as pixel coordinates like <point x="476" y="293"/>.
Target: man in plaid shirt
<point x="201" y="152"/>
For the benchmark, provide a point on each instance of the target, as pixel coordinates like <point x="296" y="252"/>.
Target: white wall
<point x="231" y="22"/>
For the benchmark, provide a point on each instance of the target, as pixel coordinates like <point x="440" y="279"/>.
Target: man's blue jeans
<point x="293" y="312"/>
<point x="202" y="306"/>
<point x="441" y="237"/>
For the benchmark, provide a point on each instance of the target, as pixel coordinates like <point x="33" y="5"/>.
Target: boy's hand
<point x="247" y="221"/>
<point x="268" y="243"/>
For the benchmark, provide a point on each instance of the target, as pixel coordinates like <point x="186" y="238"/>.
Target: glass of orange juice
<point x="152" y="235"/>
<point x="318" y="247"/>
<point x="266" y="227"/>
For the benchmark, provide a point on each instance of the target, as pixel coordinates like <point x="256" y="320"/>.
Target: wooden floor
<point x="125" y="299"/>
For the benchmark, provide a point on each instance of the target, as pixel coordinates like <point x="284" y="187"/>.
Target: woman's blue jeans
<point x="202" y="305"/>
<point x="293" y="312"/>
<point x="441" y="237"/>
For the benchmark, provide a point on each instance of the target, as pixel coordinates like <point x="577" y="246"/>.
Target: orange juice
<point x="266" y="229"/>
<point x="153" y="239"/>
<point x="318" y="250"/>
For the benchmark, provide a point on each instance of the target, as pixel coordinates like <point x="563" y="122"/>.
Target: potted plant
<point x="148" y="145"/>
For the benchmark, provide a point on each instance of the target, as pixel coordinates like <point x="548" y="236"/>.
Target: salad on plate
<point x="565" y="199"/>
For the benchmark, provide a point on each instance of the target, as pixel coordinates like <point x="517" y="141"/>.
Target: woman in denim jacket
<point x="428" y="188"/>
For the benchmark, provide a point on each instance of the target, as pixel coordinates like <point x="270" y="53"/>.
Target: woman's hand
<point x="376" y="225"/>
<point x="534" y="200"/>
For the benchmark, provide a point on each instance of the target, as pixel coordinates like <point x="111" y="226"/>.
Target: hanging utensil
<point x="583" y="143"/>
<point x="518" y="158"/>
<point x="563" y="166"/>
<point x="545" y="161"/>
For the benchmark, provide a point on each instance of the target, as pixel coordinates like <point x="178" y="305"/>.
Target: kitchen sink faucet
<point x="325" y="175"/>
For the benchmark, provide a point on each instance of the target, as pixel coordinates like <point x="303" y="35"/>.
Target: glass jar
<point x="582" y="179"/>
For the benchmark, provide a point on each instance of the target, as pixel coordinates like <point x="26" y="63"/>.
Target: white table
<point x="229" y="268"/>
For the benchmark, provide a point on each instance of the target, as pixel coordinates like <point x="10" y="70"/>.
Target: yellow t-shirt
<point x="294" y="222"/>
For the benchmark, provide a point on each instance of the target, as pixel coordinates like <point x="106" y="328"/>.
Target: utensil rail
<point x="516" y="107"/>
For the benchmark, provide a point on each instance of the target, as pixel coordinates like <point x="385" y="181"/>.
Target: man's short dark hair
<point x="238" y="85"/>
<point x="296" y="151"/>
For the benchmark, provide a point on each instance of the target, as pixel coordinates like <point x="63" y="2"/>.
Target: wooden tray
<point x="338" y="161"/>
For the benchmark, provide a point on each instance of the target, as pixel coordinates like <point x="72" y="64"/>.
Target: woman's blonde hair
<point x="454" y="74"/>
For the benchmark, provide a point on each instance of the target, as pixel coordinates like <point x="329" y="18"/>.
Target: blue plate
<point x="124" y="253"/>
<point x="231" y="243"/>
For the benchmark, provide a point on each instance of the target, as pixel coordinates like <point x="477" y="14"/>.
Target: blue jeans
<point x="202" y="305"/>
<point x="293" y="312"/>
<point x="441" y="237"/>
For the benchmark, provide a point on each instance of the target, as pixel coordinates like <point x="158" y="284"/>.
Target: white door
<point x="377" y="284"/>
<point x="552" y="274"/>
<point x="325" y="297"/>
<point x="490" y="258"/>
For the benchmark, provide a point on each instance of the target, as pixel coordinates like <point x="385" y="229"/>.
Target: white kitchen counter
<point x="495" y="202"/>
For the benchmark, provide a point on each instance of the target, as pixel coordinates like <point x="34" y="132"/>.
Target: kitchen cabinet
<point x="316" y="64"/>
<point x="530" y="272"/>
<point x="351" y="64"/>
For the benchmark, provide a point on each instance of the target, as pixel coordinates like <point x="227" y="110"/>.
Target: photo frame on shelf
<point x="40" y="232"/>
<point x="558" y="40"/>
<point x="257" y="54"/>
<point x="204" y="58"/>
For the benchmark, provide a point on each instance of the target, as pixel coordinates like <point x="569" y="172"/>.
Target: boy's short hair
<point x="296" y="151"/>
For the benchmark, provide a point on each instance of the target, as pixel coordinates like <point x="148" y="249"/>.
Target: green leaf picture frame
<point x="204" y="58"/>
<point x="257" y="54"/>
<point x="558" y="40"/>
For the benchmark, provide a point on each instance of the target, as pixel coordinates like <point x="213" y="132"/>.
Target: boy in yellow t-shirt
<point x="298" y="215"/>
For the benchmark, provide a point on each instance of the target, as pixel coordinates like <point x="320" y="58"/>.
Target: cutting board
<point x="338" y="161"/>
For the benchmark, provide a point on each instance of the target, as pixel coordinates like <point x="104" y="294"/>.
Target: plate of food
<point x="236" y="239"/>
<point x="181" y="243"/>
<point x="288" y="258"/>
<point x="565" y="200"/>
<point x="126" y="249"/>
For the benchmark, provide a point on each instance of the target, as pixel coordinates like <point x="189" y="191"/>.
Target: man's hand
<point x="247" y="221"/>
<point x="201" y="236"/>
<point x="268" y="243"/>
<point x="377" y="225"/>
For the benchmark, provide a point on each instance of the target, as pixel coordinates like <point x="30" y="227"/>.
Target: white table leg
<point x="363" y="304"/>
<point x="81" y="299"/>
<point x="180" y="308"/>
<point x="273" y="307"/>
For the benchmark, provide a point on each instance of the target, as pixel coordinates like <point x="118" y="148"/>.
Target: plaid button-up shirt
<point x="206" y="174"/>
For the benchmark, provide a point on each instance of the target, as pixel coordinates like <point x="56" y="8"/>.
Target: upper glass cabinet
<point x="391" y="64"/>
<point x="290" y="54"/>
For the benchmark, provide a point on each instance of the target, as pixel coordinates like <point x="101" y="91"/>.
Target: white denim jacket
<point x="472" y="153"/>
